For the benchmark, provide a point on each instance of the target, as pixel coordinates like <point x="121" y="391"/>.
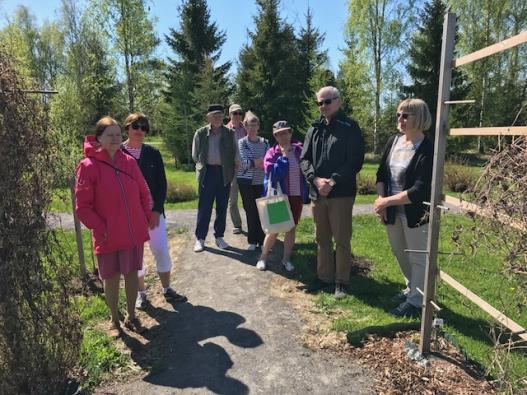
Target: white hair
<point x="331" y="89"/>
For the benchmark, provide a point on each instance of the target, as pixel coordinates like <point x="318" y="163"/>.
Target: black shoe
<point x="406" y="309"/>
<point x="315" y="286"/>
<point x="173" y="296"/>
<point x="340" y="291"/>
<point x="398" y="298"/>
<point x="237" y="230"/>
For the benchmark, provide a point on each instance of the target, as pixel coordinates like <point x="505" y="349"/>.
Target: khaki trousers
<point x="412" y="264"/>
<point x="333" y="221"/>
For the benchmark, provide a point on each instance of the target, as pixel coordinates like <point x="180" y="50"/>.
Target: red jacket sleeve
<point x="85" y="184"/>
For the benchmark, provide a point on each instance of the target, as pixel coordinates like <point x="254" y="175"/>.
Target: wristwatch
<point x="331" y="182"/>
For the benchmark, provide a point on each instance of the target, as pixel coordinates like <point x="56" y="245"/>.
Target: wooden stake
<point x="441" y="130"/>
<point x="78" y="234"/>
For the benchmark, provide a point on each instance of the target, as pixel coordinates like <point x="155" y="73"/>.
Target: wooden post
<point x="441" y="131"/>
<point x="78" y="233"/>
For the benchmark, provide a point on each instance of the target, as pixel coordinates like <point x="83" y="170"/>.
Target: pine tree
<point x="313" y="68"/>
<point x="425" y="60"/>
<point x="268" y="79"/>
<point x="197" y="47"/>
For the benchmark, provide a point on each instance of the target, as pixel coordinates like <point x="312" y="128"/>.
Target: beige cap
<point x="234" y="107"/>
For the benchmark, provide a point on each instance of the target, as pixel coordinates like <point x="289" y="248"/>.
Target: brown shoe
<point x="135" y="325"/>
<point x="115" y="330"/>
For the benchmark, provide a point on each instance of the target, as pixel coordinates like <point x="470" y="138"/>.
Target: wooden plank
<point x="493" y="312"/>
<point x="490" y="131"/>
<point x="441" y="131"/>
<point x="471" y="207"/>
<point x="492" y="49"/>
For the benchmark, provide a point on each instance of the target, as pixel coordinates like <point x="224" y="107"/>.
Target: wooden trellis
<point x="436" y="204"/>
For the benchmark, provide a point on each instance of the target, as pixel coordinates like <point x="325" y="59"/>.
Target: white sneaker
<point x="288" y="266"/>
<point x="221" y="243"/>
<point x="260" y="265"/>
<point x="141" y="301"/>
<point x="199" y="246"/>
<point x="251" y="247"/>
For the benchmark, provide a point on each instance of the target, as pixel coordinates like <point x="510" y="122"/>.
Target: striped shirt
<point x="249" y="151"/>
<point x="135" y="152"/>
<point x="295" y="175"/>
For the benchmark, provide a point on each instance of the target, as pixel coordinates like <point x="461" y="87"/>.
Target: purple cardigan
<point x="277" y="166"/>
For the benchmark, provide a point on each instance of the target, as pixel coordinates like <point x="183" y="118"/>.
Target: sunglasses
<point x="237" y="113"/>
<point x="138" y="125"/>
<point x="326" y="102"/>
<point x="403" y="115"/>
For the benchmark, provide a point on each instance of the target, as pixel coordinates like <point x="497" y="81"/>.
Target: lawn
<point x="178" y="178"/>
<point x="98" y="355"/>
<point x="369" y="301"/>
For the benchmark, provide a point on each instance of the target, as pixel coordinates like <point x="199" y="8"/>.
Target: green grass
<point x="369" y="300"/>
<point x="98" y="355"/>
<point x="62" y="199"/>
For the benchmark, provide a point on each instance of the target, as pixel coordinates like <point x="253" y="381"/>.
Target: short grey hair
<point x="334" y="91"/>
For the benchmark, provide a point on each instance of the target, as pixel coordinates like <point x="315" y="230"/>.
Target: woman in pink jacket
<point x="113" y="200"/>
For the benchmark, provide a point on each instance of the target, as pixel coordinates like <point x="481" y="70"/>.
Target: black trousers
<point x="249" y="195"/>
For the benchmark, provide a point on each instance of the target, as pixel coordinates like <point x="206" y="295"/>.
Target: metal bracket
<point x="439" y="206"/>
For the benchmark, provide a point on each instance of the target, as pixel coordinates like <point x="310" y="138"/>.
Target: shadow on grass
<point x="178" y="354"/>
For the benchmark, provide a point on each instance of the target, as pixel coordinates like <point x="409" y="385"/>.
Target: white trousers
<point x="159" y="246"/>
<point x="412" y="264"/>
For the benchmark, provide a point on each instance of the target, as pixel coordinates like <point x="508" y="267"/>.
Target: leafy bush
<point x="39" y="326"/>
<point x="180" y="193"/>
<point x="366" y="185"/>
<point x="459" y="177"/>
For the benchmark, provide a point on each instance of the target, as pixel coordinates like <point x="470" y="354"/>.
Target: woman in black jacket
<point x="151" y="165"/>
<point x="404" y="182"/>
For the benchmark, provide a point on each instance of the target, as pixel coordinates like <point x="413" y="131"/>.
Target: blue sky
<point x="232" y="16"/>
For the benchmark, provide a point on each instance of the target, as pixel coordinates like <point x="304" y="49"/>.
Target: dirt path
<point x="233" y="336"/>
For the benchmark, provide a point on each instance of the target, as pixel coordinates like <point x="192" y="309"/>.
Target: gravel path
<point x="233" y="336"/>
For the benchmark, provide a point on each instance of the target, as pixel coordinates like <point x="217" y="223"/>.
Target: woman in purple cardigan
<point x="282" y="165"/>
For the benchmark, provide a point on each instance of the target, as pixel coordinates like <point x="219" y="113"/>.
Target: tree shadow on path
<point x="178" y="354"/>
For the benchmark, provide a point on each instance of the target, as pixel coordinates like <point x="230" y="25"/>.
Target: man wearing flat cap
<point x="215" y="151"/>
<point x="236" y="124"/>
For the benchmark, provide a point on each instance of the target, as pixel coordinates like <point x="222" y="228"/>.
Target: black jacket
<point x="418" y="182"/>
<point x="333" y="151"/>
<point x="151" y="164"/>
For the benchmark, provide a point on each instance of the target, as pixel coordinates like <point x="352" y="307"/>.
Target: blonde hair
<point x="250" y="116"/>
<point x="419" y="108"/>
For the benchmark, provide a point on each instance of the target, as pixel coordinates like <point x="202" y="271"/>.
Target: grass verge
<point x="369" y="300"/>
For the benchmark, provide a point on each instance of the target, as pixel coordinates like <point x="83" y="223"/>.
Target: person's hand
<point x="258" y="163"/>
<point x="236" y="166"/>
<point x="154" y="220"/>
<point x="323" y="186"/>
<point x="380" y="205"/>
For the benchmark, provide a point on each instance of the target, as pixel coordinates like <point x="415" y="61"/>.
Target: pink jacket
<point x="112" y="199"/>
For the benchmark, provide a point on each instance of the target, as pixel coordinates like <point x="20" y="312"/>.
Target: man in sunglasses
<point x="332" y="155"/>
<point x="236" y="124"/>
<point x="215" y="151"/>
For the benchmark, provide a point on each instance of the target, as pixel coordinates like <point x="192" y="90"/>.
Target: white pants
<point x="412" y="264"/>
<point x="159" y="246"/>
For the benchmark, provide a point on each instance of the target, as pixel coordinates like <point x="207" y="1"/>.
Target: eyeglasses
<point x="403" y="115"/>
<point x="237" y="113"/>
<point x="137" y="125"/>
<point x="327" y="102"/>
